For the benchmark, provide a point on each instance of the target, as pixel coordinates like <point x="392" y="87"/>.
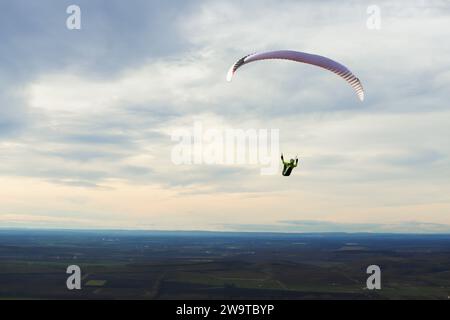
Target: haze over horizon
<point x="86" y="115"/>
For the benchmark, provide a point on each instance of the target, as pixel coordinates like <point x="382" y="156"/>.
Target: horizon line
<point x="50" y="229"/>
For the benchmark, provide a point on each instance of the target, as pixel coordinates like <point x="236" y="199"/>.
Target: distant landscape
<point x="221" y="265"/>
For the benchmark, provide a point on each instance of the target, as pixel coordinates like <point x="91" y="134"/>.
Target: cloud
<point x="85" y="109"/>
<point x="13" y="117"/>
<point x="306" y="226"/>
<point x="36" y="38"/>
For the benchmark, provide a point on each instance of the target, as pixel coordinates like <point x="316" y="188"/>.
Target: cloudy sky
<point x="86" y="115"/>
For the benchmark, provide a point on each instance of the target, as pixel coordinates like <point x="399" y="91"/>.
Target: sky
<point x="87" y="116"/>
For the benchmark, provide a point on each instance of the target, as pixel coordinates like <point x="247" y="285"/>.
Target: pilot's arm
<point x="285" y="163"/>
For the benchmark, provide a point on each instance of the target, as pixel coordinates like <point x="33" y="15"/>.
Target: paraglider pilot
<point x="288" y="166"/>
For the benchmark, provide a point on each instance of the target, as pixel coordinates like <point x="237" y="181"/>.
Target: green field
<point x="221" y="266"/>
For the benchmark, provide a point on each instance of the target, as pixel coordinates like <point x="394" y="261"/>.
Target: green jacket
<point x="288" y="166"/>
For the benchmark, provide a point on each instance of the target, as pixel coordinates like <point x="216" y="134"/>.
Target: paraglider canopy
<point x="303" y="57"/>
